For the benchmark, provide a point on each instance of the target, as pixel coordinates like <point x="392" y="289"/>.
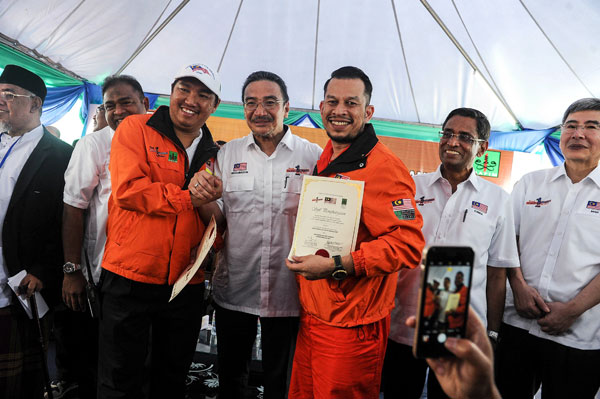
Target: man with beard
<point x="262" y="176"/>
<point x="345" y="320"/>
<point x="458" y="208"/>
<point x="551" y="329"/>
<point x="86" y="194"/>
<point x="153" y="227"/>
<point x="32" y="165"/>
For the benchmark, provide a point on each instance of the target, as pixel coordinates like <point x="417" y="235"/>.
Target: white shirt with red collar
<point x="477" y="215"/>
<point x="558" y="224"/>
<point x="260" y="201"/>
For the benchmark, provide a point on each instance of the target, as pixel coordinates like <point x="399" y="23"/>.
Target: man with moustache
<point x="262" y="176"/>
<point x="551" y="329"/>
<point x="86" y="194"/>
<point x="458" y="208"/>
<point x="153" y="228"/>
<point x="345" y="320"/>
<point x="32" y="164"/>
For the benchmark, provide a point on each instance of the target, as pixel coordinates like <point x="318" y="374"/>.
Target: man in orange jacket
<point x="345" y="320"/>
<point x="153" y="227"/>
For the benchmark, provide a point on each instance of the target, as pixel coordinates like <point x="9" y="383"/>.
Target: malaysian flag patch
<point x="403" y="209"/>
<point x="594" y="205"/>
<point x="478" y="206"/>
<point x="330" y="200"/>
<point x="240" y="167"/>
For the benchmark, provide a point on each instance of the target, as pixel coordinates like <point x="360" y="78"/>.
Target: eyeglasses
<point x="588" y="128"/>
<point x="269" y="105"/>
<point x="462" y="137"/>
<point x="10" y="96"/>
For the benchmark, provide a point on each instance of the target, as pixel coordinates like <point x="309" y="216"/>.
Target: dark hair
<point x="114" y="80"/>
<point x="584" y="104"/>
<point x="483" y="125"/>
<point x="351" y="72"/>
<point x="271" y="77"/>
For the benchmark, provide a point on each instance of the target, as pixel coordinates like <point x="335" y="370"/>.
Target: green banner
<point x="488" y="164"/>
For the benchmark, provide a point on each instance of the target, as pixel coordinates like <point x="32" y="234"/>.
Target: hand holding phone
<point x="443" y="299"/>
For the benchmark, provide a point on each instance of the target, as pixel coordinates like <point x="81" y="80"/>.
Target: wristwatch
<point x="493" y="335"/>
<point x="339" y="273"/>
<point x="71" y="267"/>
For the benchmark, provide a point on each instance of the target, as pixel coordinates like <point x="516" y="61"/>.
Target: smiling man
<point x="86" y="194"/>
<point x="345" y="320"/>
<point x="551" y="329"/>
<point x="458" y="208"/>
<point x="153" y="226"/>
<point x="262" y="176"/>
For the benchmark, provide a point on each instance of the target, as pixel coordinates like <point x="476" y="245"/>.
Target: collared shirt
<point x="9" y="173"/>
<point x="260" y="201"/>
<point x="558" y="224"/>
<point x="87" y="186"/>
<point x="478" y="215"/>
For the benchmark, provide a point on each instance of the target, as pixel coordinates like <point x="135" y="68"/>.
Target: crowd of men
<point x="126" y="211"/>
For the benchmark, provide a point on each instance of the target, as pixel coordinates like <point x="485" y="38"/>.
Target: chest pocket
<point x="238" y="194"/>
<point x="290" y="193"/>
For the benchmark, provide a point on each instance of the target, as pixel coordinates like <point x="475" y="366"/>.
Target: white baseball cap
<point x="204" y="74"/>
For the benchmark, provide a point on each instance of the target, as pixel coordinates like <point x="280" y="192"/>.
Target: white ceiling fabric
<point x="533" y="57"/>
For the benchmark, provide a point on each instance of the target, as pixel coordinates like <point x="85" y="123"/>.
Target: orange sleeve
<point x="396" y="242"/>
<point x="132" y="187"/>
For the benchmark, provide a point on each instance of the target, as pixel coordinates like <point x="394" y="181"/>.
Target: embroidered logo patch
<point x="593" y="205"/>
<point x="240" y="167"/>
<point x="538" y="202"/>
<point x="297" y="170"/>
<point x="158" y="153"/>
<point x="173" y="156"/>
<point x="339" y="176"/>
<point x="403" y="209"/>
<point x="422" y="201"/>
<point x="478" y="206"/>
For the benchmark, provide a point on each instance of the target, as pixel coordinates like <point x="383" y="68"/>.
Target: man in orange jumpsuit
<point x="345" y="319"/>
<point x="457" y="317"/>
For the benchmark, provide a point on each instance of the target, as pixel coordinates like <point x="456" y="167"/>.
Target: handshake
<point x="204" y="188"/>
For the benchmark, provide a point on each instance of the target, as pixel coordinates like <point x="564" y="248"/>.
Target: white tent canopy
<point x="521" y="62"/>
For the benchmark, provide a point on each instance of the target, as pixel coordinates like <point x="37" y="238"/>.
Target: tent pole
<point x="468" y="59"/>
<point x="316" y="47"/>
<point x="410" y="85"/>
<point x="556" y="49"/>
<point x="144" y="43"/>
<point x="230" y="34"/>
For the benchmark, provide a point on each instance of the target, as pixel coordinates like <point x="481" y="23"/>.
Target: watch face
<point x="69" y="267"/>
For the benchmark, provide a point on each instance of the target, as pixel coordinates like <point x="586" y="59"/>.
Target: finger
<point x="30" y="288"/>
<point x="540" y="302"/>
<point x="293" y="266"/>
<point x="81" y="299"/>
<point x="466" y="350"/>
<point x="411" y="321"/>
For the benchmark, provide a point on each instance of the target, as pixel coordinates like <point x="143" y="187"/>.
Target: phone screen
<point x="444" y="299"/>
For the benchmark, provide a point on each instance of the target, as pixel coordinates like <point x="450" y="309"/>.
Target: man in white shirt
<point x="458" y="208"/>
<point x="551" y="329"/>
<point x="262" y="176"/>
<point x="86" y="194"/>
<point x="32" y="164"/>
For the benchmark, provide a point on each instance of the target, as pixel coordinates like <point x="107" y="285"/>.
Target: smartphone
<point x="443" y="299"/>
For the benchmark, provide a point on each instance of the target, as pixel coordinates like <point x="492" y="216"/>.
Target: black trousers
<point x="524" y="361"/>
<point x="236" y="332"/>
<point x="76" y="335"/>
<point x="404" y="376"/>
<point x="129" y="311"/>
